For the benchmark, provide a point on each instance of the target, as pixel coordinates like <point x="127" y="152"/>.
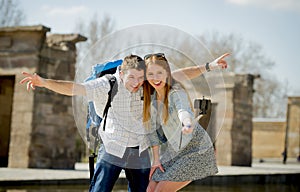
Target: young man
<point x="124" y="133"/>
<point x="124" y="136"/>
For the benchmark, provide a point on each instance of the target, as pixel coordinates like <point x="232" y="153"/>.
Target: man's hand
<point x="32" y="81"/>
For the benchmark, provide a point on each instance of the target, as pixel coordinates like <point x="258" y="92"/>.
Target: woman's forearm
<point x="188" y="73"/>
<point x="155" y="152"/>
<point x="195" y="71"/>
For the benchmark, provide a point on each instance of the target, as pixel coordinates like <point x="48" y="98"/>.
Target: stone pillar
<point x="234" y="142"/>
<point x="293" y="128"/>
<point x="54" y="131"/>
<point x="19" y="51"/>
<point x="224" y="140"/>
<point x="42" y="127"/>
<point x="241" y="131"/>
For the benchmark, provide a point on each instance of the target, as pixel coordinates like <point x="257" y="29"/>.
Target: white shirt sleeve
<point x="96" y="89"/>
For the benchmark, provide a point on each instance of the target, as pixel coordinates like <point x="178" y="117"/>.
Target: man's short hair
<point x="133" y="62"/>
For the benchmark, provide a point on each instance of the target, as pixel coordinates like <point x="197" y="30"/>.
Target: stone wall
<point x="224" y="140"/>
<point x="231" y="118"/>
<point x="234" y="141"/>
<point x="19" y="51"/>
<point x="268" y="138"/>
<point x="42" y="125"/>
<point x="54" y="131"/>
<point x="293" y="128"/>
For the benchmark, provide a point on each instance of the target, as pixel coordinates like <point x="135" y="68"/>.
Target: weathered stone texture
<point x="20" y="52"/>
<point x="54" y="129"/>
<point x="293" y="127"/>
<point x="43" y="130"/>
<point x="242" y="115"/>
<point x="234" y="141"/>
<point x="268" y="138"/>
<point x="230" y="123"/>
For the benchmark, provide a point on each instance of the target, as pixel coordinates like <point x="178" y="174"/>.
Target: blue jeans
<point x="109" y="167"/>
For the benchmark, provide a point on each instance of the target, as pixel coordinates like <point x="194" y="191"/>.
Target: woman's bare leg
<point x="151" y="186"/>
<point x="170" y="186"/>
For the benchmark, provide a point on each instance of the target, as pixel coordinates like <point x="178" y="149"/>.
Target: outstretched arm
<point x="196" y="71"/>
<point x="62" y="87"/>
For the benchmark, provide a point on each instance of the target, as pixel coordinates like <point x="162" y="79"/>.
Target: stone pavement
<point x="268" y="172"/>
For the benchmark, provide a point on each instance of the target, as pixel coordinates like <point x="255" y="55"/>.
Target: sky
<point x="273" y="24"/>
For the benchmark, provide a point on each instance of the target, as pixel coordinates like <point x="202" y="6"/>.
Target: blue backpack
<point x="93" y="120"/>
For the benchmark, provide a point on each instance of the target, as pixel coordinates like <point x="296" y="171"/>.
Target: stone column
<point x="293" y="128"/>
<point x="225" y="121"/>
<point x="54" y="131"/>
<point x="19" y="51"/>
<point x="234" y="142"/>
<point x="42" y="127"/>
<point x="242" y="116"/>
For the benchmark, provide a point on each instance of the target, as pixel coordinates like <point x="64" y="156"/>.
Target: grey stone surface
<point x="271" y="171"/>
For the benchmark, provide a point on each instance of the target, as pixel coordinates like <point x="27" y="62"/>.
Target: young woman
<point x="188" y="152"/>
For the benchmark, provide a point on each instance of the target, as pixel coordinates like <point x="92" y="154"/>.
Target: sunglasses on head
<point x="154" y="54"/>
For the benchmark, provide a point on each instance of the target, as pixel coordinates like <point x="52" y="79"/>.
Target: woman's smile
<point x="156" y="75"/>
<point x="157" y="83"/>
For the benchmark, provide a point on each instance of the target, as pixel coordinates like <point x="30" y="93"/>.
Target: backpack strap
<point x="111" y="94"/>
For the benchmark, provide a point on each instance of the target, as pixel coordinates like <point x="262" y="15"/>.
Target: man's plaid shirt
<point x="124" y="127"/>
